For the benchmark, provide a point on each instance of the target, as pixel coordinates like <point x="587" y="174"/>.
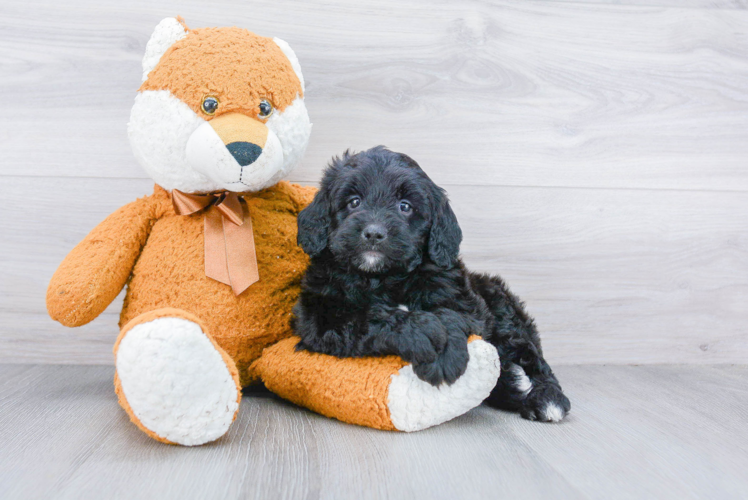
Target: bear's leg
<point x="176" y="384"/>
<point x="379" y="392"/>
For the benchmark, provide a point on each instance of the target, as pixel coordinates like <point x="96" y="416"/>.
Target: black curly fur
<point x="387" y="280"/>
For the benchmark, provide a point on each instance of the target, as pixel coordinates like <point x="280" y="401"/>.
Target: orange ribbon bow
<point x="230" y="255"/>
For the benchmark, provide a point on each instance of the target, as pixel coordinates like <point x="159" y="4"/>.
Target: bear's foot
<point x="415" y="404"/>
<point x="173" y="380"/>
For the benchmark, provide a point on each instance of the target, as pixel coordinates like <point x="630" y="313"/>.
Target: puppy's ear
<point x="313" y="223"/>
<point x="445" y="235"/>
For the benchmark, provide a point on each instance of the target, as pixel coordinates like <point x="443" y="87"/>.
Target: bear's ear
<point x="168" y="32"/>
<point x="291" y="55"/>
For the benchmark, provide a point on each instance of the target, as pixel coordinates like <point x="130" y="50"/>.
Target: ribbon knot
<point x="230" y="255"/>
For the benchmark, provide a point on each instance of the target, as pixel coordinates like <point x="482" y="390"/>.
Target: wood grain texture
<point x="681" y="4"/>
<point x="505" y="93"/>
<point x="634" y="432"/>
<point x="595" y="152"/>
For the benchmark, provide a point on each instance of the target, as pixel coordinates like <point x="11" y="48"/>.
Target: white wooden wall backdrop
<point x="595" y="152"/>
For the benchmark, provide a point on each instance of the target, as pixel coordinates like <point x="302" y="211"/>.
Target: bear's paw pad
<point x="175" y="381"/>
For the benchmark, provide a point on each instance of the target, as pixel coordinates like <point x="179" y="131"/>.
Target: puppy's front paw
<point x="448" y="367"/>
<point x="545" y="403"/>
<point x="424" y="340"/>
<point x="418" y="349"/>
<point x="427" y="324"/>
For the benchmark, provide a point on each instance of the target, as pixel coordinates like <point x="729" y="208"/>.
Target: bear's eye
<point x="266" y="109"/>
<point x="354" y="202"/>
<point x="210" y="105"/>
<point x="405" y="207"/>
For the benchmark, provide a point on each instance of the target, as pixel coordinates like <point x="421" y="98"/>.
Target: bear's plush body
<point x="242" y="325"/>
<point x="220" y="118"/>
<point x="210" y="259"/>
<point x="168" y="254"/>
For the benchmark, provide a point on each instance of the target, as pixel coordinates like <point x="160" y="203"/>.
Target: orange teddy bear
<point x="210" y="259"/>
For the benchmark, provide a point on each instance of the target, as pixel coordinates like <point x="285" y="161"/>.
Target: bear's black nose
<point x="374" y="233"/>
<point x="244" y="152"/>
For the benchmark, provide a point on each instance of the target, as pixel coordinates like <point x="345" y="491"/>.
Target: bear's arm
<point x="94" y="272"/>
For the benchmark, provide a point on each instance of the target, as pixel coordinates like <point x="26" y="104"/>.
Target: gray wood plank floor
<point x="634" y="432"/>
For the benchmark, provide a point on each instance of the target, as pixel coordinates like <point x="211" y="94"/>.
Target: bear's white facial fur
<point x="180" y="150"/>
<point x="207" y="154"/>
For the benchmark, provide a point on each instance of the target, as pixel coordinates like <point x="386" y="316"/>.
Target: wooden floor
<point x="634" y="432"/>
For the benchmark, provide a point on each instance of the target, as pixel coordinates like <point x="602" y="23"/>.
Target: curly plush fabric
<point x="94" y="272"/>
<point x="379" y="392"/>
<point x="152" y="371"/>
<point x="353" y="390"/>
<point x="170" y="271"/>
<point x="225" y="62"/>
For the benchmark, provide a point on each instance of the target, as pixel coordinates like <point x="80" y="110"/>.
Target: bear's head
<point x="220" y="109"/>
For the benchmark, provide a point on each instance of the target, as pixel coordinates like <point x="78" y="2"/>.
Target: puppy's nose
<point x="374" y="233"/>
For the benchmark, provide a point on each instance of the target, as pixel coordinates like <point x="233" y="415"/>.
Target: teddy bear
<point x="210" y="259"/>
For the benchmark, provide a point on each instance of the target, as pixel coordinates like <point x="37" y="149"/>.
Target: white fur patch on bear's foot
<point x="176" y="382"/>
<point x="415" y="404"/>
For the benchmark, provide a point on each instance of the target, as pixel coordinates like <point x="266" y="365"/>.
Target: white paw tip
<point x="403" y="307"/>
<point x="553" y="412"/>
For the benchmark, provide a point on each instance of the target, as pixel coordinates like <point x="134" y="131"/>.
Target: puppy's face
<point x="377" y="212"/>
<point x="380" y="215"/>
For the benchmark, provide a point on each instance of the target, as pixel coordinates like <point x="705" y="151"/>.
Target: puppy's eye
<point x="405" y="207"/>
<point x="354" y="202"/>
<point x="209" y="105"/>
<point x="266" y="109"/>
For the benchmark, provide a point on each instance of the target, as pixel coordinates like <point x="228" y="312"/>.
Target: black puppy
<point x="385" y="278"/>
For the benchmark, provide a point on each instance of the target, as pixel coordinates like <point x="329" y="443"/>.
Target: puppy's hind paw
<point x="545" y="403"/>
